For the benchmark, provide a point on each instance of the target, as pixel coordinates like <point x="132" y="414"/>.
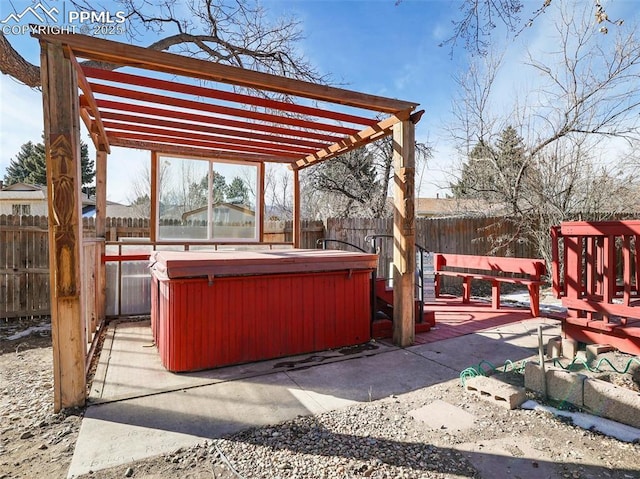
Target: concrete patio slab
<point x="442" y="415"/>
<point x="138" y="409"/>
<point x="130" y="367"/>
<point x="525" y="333"/>
<point x="471" y="351"/>
<point x="374" y="377"/>
<point x="118" y="432"/>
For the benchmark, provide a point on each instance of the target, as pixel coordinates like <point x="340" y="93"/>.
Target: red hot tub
<point x="212" y="309"/>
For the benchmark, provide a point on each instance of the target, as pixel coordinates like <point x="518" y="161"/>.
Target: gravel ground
<point x="379" y="439"/>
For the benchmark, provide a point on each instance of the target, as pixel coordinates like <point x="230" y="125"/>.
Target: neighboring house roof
<point x="244" y="209"/>
<point x="36" y="192"/>
<point x="18" y="192"/>
<point x="23" y="187"/>
<point x="114" y="210"/>
<point x="24" y="192"/>
<point x="117" y="210"/>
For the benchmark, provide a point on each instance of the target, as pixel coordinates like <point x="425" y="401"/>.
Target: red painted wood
<point x="626" y="339"/>
<point x="243" y="126"/>
<point x="230" y="142"/>
<point x="454" y="318"/>
<point x="600" y="228"/>
<point x="205" y="92"/>
<point x="626" y="266"/>
<point x="592" y="290"/>
<point x="528" y="266"/>
<point x="250" y="318"/>
<point x="125" y="93"/>
<point x="531" y="268"/>
<point x="124" y="257"/>
<point x="197" y="143"/>
<point x="136" y="120"/>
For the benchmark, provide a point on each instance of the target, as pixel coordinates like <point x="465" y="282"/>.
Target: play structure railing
<point x="596" y="270"/>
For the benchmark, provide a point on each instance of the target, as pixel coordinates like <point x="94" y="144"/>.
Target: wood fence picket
<point x="24" y="252"/>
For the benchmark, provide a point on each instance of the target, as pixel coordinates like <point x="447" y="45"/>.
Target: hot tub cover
<point x="194" y="264"/>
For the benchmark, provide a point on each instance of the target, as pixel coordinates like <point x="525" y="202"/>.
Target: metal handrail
<point x="324" y="241"/>
<point x="372" y="239"/>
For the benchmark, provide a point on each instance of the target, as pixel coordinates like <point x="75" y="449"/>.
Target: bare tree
<point x="357" y="183"/>
<point x="576" y="126"/>
<point x="479" y="19"/>
<point x="235" y="32"/>
<point x="140" y="193"/>
<point x="278" y="187"/>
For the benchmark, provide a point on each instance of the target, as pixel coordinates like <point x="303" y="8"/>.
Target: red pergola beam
<point x="172" y="123"/>
<point x="211" y="145"/>
<point x="196" y="152"/>
<point x="98" y="49"/>
<point x="222" y="110"/>
<point x="260" y="147"/>
<point x="130" y="79"/>
<point x="211" y="120"/>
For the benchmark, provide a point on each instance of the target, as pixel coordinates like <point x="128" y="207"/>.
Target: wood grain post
<point x="62" y="146"/>
<point x="404" y="231"/>
<point x="154" y="223"/>
<point x="101" y="232"/>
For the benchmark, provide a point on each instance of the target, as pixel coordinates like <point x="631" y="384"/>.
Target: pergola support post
<point x="62" y="146"/>
<point x="260" y="201"/>
<point x="101" y="231"/>
<point x="404" y="257"/>
<point x="296" y="226"/>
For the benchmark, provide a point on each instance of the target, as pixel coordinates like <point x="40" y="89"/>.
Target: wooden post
<point x="296" y="209"/>
<point x="101" y="193"/>
<point x="154" y="221"/>
<point x="101" y="232"/>
<point x="62" y="146"/>
<point x="260" y="204"/>
<point x="404" y="231"/>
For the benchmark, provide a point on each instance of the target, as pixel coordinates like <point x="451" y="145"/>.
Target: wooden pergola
<point x="157" y="106"/>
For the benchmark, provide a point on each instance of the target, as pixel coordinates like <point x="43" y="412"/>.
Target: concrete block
<point x="569" y="348"/>
<point x="533" y="378"/>
<point x="560" y="385"/>
<point x="565" y="386"/>
<point x="593" y="350"/>
<point x="616" y="403"/>
<point x="502" y="394"/>
<point x="554" y="347"/>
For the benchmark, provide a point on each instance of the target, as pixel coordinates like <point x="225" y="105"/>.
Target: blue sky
<point x="373" y="46"/>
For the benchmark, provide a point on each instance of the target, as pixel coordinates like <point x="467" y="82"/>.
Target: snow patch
<point x="607" y="427"/>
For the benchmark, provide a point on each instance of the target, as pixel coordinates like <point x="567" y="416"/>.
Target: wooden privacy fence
<point x="24" y="258"/>
<point x="24" y="266"/>
<point x="460" y="235"/>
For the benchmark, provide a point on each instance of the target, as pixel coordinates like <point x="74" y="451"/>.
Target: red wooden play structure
<point x="596" y="272"/>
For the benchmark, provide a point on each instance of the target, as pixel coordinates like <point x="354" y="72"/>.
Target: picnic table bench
<point x="497" y="270"/>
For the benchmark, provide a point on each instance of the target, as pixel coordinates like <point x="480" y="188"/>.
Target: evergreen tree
<point x="219" y="187"/>
<point x="495" y="172"/>
<point x="29" y="166"/>
<point x="237" y="192"/>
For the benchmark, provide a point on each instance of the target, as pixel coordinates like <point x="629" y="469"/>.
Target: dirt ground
<point x="35" y="442"/>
